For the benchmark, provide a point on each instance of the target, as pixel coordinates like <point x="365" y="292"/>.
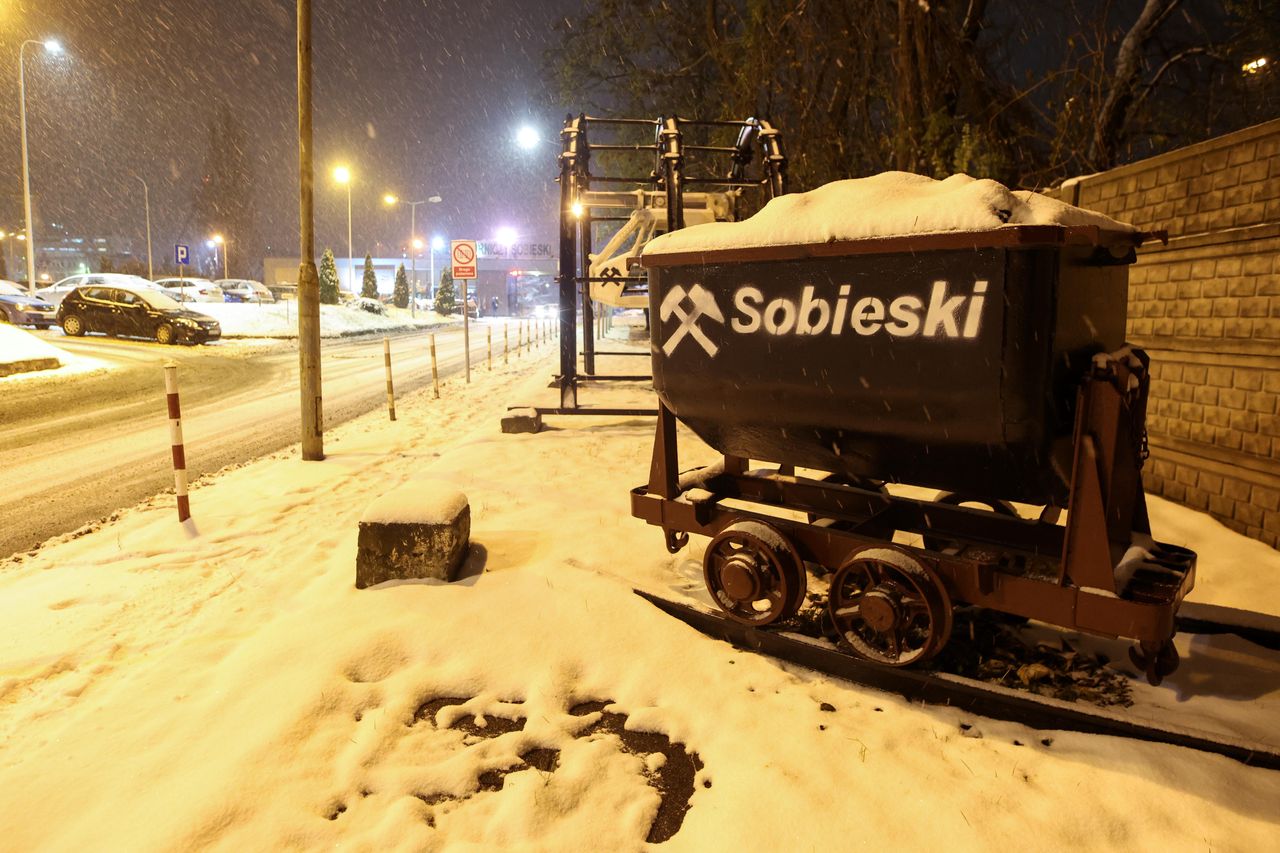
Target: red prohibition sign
<point x="463" y="254"/>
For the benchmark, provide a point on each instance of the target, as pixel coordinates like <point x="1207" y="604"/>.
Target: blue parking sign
<point x="181" y="254"/>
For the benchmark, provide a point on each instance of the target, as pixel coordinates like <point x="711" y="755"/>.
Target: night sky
<point x="419" y="97"/>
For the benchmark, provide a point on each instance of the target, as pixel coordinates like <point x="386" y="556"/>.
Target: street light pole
<point x="413" y="238"/>
<point x="223" y="244"/>
<point x="146" y="201"/>
<point x="52" y="47"/>
<point x="309" y="387"/>
<point x="351" y="252"/>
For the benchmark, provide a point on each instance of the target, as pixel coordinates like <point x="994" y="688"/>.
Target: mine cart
<point x="990" y="365"/>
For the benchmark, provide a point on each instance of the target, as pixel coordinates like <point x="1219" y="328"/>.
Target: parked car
<point x="20" y="308"/>
<point x="54" y="293"/>
<point x="134" y="312"/>
<point x="194" y="289"/>
<point x="244" y="290"/>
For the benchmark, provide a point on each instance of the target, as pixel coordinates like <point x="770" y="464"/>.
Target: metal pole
<point x="431" y="277"/>
<point x="175" y="440"/>
<point x="391" y="394"/>
<point x="226" y="254"/>
<point x="435" y="373"/>
<point x="146" y="201"/>
<point x="466" y="330"/>
<point x="351" y="253"/>
<point x="309" y="386"/>
<point x="26" y="170"/>
<point x="413" y="260"/>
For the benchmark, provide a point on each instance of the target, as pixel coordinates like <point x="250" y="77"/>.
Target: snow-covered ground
<point x="26" y="356"/>
<point x="280" y="319"/>
<point x="232" y="690"/>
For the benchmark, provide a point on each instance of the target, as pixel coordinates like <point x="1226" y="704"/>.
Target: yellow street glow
<point x="389" y="199"/>
<point x="1254" y="66"/>
<point x="342" y="175"/>
<point x="576" y="209"/>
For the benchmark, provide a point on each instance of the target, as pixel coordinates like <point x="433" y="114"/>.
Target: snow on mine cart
<point x="951" y="335"/>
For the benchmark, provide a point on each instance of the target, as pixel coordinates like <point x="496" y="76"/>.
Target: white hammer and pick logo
<point x="703" y="303"/>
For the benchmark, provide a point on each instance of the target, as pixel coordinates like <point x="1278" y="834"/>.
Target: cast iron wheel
<point x="754" y="573"/>
<point x="164" y="334"/>
<point x="888" y="608"/>
<point x="937" y="543"/>
<point x="72" y="325"/>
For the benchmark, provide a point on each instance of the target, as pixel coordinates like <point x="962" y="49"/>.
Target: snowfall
<point x="226" y="686"/>
<point x="223" y="684"/>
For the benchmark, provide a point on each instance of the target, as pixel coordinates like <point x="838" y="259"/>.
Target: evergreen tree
<point x="446" y="298"/>
<point x="400" y="295"/>
<point x="328" y="279"/>
<point x="369" y="286"/>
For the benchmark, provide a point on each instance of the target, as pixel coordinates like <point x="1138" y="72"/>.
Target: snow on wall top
<point x="891" y="204"/>
<point x="416" y="502"/>
<point x="18" y="345"/>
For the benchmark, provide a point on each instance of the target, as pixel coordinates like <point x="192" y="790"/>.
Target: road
<point x="77" y="449"/>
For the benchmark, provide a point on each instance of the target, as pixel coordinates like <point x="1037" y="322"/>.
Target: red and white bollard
<point x="175" y="440"/>
<point x="391" y="394"/>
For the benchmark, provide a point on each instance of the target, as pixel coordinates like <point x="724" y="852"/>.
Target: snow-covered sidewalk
<point x="233" y="690"/>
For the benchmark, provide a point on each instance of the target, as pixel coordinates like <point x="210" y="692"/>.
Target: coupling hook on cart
<point x="675" y="539"/>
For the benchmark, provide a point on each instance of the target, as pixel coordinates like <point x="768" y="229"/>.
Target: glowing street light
<point x="219" y="242"/>
<point x="437" y="243"/>
<point x="390" y="200"/>
<point x="54" y="48"/>
<point x="506" y="237"/>
<point x="1254" y="65"/>
<point x="527" y="137"/>
<point x="342" y="175"/>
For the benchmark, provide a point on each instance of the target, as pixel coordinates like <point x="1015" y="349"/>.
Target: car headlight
<point x="185" y="321"/>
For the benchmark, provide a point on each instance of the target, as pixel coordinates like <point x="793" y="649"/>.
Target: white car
<point x="244" y="290"/>
<point x="193" y="289"/>
<point x="54" y="293"/>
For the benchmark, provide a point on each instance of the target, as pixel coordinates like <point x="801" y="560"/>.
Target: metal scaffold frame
<point x="668" y="189"/>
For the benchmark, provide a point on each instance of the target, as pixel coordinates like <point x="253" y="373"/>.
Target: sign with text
<point x="181" y="254"/>
<point x="463" y="254"/>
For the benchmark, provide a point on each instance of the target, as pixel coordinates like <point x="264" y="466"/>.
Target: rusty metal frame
<point x="1063" y="575"/>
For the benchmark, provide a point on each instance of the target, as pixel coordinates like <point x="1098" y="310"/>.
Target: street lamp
<point x="219" y="241"/>
<point x="437" y="243"/>
<point x="390" y="200"/>
<point x="146" y="201"/>
<point x="53" y="47"/>
<point x="342" y="175"/>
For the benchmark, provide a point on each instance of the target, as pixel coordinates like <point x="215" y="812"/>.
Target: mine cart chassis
<point x="892" y="603"/>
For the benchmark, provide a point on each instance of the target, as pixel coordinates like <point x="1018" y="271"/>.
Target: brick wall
<point x="1206" y="307"/>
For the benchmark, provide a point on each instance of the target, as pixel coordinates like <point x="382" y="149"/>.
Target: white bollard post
<point x="175" y="440"/>
<point x="391" y="394"/>
<point x="435" y="374"/>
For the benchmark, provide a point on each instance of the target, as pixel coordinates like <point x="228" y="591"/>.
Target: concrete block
<point x="522" y="420"/>
<point x="419" y="530"/>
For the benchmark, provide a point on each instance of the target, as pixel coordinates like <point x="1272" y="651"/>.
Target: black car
<point x="134" y="313"/>
<point x="22" y="309"/>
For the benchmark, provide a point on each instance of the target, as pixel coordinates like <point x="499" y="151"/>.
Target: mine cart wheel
<point x="889" y="608"/>
<point x="937" y="543"/>
<point x="754" y="573"/>
<point x="1155" y="660"/>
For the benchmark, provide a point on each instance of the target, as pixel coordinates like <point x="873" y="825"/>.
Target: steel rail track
<point x="992" y="700"/>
